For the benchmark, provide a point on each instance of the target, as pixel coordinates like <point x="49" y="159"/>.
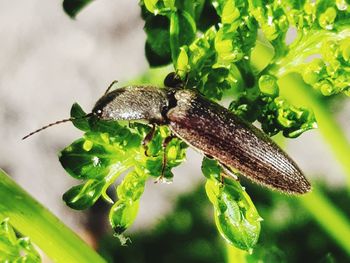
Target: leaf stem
<point x="235" y="255"/>
<point x="333" y="221"/>
<point x="31" y="219"/>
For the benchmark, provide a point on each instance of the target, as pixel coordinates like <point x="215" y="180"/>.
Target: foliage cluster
<point x="214" y="47"/>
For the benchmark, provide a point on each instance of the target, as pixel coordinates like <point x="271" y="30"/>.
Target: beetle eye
<point x="98" y="112"/>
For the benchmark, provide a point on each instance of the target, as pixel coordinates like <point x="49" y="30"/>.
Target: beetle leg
<point x="186" y="80"/>
<point x="228" y="172"/>
<point x="148" y="138"/>
<point x="165" y="143"/>
<point x="209" y="156"/>
<point x="183" y="82"/>
<point x="110" y="86"/>
<point x="222" y="179"/>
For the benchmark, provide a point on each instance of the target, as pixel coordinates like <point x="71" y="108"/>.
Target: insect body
<point x="209" y="128"/>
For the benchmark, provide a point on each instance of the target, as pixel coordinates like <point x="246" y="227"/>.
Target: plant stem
<point x="33" y="220"/>
<point x="333" y="221"/>
<point x="235" y="255"/>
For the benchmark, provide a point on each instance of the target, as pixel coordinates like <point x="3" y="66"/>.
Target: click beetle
<point x="206" y="126"/>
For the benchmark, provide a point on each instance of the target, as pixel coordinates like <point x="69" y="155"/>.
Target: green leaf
<point x="86" y="159"/>
<point x="83" y="196"/>
<point x="73" y="7"/>
<point x="182" y="32"/>
<point x="132" y="186"/>
<point x="122" y="215"/>
<point x="274" y="113"/>
<point x="107" y="150"/>
<point x="268" y="85"/>
<point x="206" y="16"/>
<point x="210" y="168"/>
<point x="210" y="45"/>
<point x="235" y="214"/>
<point x="155" y="59"/>
<point x="157" y="44"/>
<point x="124" y="211"/>
<point x="77" y="113"/>
<point x="161" y="7"/>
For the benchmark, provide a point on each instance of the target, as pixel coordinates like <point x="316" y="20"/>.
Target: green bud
<point x="310" y="8"/>
<point x="230" y="13"/>
<point x="283" y="23"/>
<point x="223" y="46"/>
<point x="268" y="85"/>
<point x="227" y="46"/>
<point x="132" y="186"/>
<point x="182" y="66"/>
<point x="326" y="19"/>
<point x="284" y="112"/>
<point x="342" y="5"/>
<point x="345" y="49"/>
<point x="333" y="67"/>
<point x="283" y="120"/>
<point x="151" y="5"/>
<point x="312" y="73"/>
<point x="342" y="82"/>
<point x="270" y="31"/>
<point x="347" y="92"/>
<point x="122" y="215"/>
<point x="326" y="88"/>
<point x="160" y="6"/>
<point x="87" y="146"/>
<point x="310" y="77"/>
<point x="329" y="50"/>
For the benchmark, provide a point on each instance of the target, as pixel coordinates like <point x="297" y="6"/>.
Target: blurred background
<point x="49" y="61"/>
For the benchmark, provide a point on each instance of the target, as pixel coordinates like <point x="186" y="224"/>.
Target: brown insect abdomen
<point x="217" y="132"/>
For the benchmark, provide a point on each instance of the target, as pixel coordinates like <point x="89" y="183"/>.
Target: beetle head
<point x="102" y="108"/>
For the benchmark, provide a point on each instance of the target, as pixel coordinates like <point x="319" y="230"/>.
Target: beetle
<point x="206" y="126"/>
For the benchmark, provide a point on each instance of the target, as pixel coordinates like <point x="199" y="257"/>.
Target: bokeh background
<point x="49" y="61"/>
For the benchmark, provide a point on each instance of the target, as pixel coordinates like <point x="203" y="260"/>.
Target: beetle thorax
<point x="132" y="103"/>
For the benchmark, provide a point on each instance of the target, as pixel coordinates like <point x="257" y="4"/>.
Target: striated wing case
<point x="219" y="133"/>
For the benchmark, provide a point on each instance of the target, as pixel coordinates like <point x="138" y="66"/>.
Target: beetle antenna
<point x="110" y="86"/>
<point x="55" y="123"/>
